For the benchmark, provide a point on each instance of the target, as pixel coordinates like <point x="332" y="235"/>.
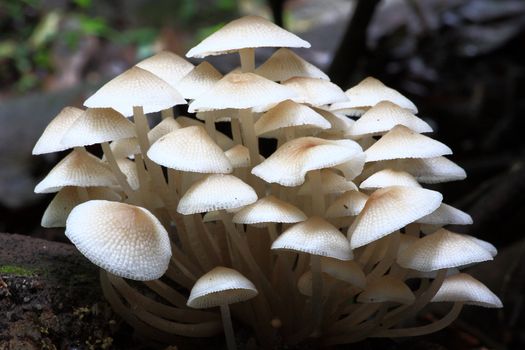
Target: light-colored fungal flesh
<point x="269" y="209"/>
<point x="198" y="81"/>
<point x="285" y="64"/>
<point x="350" y="203"/>
<point x="446" y="215"/>
<point x="331" y="182"/>
<point x="168" y="66"/>
<point x="51" y="138"/>
<point x="386" y="289"/>
<point x="315" y="92"/>
<point x="465" y="288"/>
<point x="387" y="178"/>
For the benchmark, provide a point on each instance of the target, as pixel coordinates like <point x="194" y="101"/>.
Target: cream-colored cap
<point x="198" y="81"/>
<point x="331" y="182"/>
<point x="51" y="138"/>
<point x="446" y="215"/>
<point x="350" y="203"/>
<point x="465" y="288"/>
<point x="167" y="66"/>
<point x="285" y="64"/>
<point x="314" y="91"/>
<point x="386" y="289"/>
<point x="163" y="128"/>
<point x="269" y="209"/>
<point x="124" y="148"/>
<point x="125" y="240"/>
<point x="387" y="178"/>
<point x="347" y="271"/>
<point x="246" y="32"/>
<point x="223" y="141"/>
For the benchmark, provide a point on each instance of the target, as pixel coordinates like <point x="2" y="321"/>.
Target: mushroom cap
<point x="304" y="284"/>
<point x="347" y="271"/>
<point x="220" y="286"/>
<point x="340" y="124"/>
<point x="425" y="170"/>
<point x="223" y="141"/>
<point x="269" y="209"/>
<point x="167" y="66"/>
<point x="78" y="168"/>
<point x="314" y="91"/>
<point x="241" y="91"/>
<point x="135" y="87"/>
<point x="163" y="128"/>
<point x="401" y="142"/>
<point x="198" y="81"/>
<point x="190" y="149"/>
<point x="383" y="117"/>
<point x="370" y="92"/>
<point x="331" y="182"/>
<point x="125" y="240"/>
<point x="246" y="32"/>
<point x="489" y="247"/>
<point x="50" y="141"/>
<point x="124" y="148"/>
<point x="440" y="250"/>
<point x="290" y="163"/>
<point x="446" y="215"/>
<point x="66" y="199"/>
<point x="387" y="178"/>
<point x="239" y="156"/>
<point x="97" y="125"/>
<point x="289" y="114"/>
<point x="386" y="289"/>
<point x="389" y="209"/>
<point x="218" y="115"/>
<point x="314" y="236"/>
<point x="465" y="288"/>
<point x="285" y="64"/>
<point x="350" y="203"/>
<point x="216" y="192"/>
<point x="129" y="169"/>
<point x="353" y="167"/>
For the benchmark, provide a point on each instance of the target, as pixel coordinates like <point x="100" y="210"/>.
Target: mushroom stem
<point x="83" y="194"/>
<point x="317" y="291"/>
<point x="318" y="204"/>
<point x="167" y="113"/>
<point x="247" y="59"/>
<point x="236" y="131"/>
<point x="209" y="123"/>
<point x="228" y="327"/>
<point x="392" y="241"/>
<point x="119" y="175"/>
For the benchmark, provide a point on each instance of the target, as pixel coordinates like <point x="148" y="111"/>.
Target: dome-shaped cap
<point x="315" y="92"/>
<point x="190" y="149"/>
<point x="385" y="289"/>
<point x="198" y="81"/>
<point x="401" y="142"/>
<point x="370" y="92"/>
<point x="124" y="148"/>
<point x="340" y="124"/>
<point x="387" y="178"/>
<point x="239" y="156"/>
<point x="314" y="236"/>
<point x="167" y="66"/>
<point x="216" y="192"/>
<point x="220" y="286"/>
<point x="290" y="163"/>
<point x="135" y="87"/>
<point x="350" y="203"/>
<point x="66" y="199"/>
<point x="440" y="250"/>
<point x="78" y="168"/>
<point x="305" y="282"/>
<point x="51" y="138"/>
<point x="446" y="215"/>
<point x="269" y="209"/>
<point x="223" y="141"/>
<point x="246" y="32"/>
<point x="383" y="117"/>
<point x="241" y="91"/>
<point x="389" y="209"/>
<point x="331" y="182"/>
<point x="125" y="240"/>
<point x="289" y="114"/>
<point x="347" y="271"/>
<point x="163" y="128"/>
<point x="465" y="288"/>
<point x="129" y="169"/>
<point x="97" y="125"/>
<point x="285" y="64"/>
<point x="489" y="247"/>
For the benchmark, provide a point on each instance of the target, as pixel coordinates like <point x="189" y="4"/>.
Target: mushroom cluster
<point x="332" y="237"/>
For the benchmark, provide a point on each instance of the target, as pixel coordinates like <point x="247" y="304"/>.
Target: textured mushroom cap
<point x="198" y="81"/>
<point x="125" y="240"/>
<point x="401" y="142"/>
<point x="348" y="271"/>
<point x="241" y="91"/>
<point x="66" y="199"/>
<point x="285" y="64"/>
<point x="426" y="170"/>
<point x="78" y="168"/>
<point x="129" y="169"/>
<point x="269" y="209"/>
<point x="220" y="286"/>
<point x="446" y="215"/>
<point x="389" y="209"/>
<point x="216" y="192"/>
<point x="440" y="250"/>
<point x="340" y="124"/>
<point x="246" y="32"/>
<point x="124" y="148"/>
<point x="489" y="247"/>
<point x="385" y="289"/>
<point x="389" y="177"/>
<point x="384" y="116"/>
<point x="350" y="203"/>
<point x="97" y="125"/>
<point x="223" y="141"/>
<point x="163" y="128"/>
<point x="314" y="236"/>
<point x="331" y="182"/>
<point x="370" y="92"/>
<point x="288" y="114"/>
<point x="50" y="141"/>
<point x="353" y="167"/>
<point x="315" y="92"/>
<point x="167" y="66"/>
<point x="290" y="163"/>
<point x="465" y="288"/>
<point x="190" y="149"/>
<point x="135" y="87"/>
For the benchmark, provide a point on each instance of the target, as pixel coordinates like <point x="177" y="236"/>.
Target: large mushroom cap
<point x="167" y="66"/>
<point x="246" y="32"/>
<point x="285" y="64"/>
<point x="465" y="288"/>
<point x="198" y="81"/>
<point x="314" y="91"/>
<point x="135" y="87"/>
<point x="51" y="138"/>
<point x="125" y="240"/>
<point x="387" y="178"/>
<point x="220" y="286"/>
